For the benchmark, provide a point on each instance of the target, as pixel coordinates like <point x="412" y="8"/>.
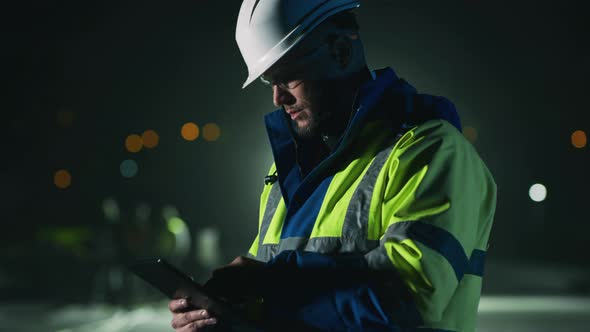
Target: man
<point x="376" y="213"/>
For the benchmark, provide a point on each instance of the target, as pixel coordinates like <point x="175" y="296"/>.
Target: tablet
<point x="176" y="285"/>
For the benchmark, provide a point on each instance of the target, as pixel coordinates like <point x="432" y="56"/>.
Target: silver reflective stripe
<point x="338" y="245"/>
<point x="354" y="229"/>
<point x="378" y="259"/>
<point x="292" y="243"/>
<point x="274" y="198"/>
<point x="356" y="221"/>
<point x="249" y="255"/>
<point x="322" y="245"/>
<point x="267" y="252"/>
<point x="397" y="231"/>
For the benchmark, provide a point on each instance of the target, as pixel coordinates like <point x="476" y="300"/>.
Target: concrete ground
<point x="497" y="313"/>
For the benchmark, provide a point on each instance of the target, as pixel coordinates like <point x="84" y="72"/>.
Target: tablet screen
<point x="176" y="285"/>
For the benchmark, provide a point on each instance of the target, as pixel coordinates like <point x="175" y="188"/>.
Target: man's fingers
<point x="177" y="305"/>
<point x="198" y="326"/>
<point x="240" y="260"/>
<point x="183" y="319"/>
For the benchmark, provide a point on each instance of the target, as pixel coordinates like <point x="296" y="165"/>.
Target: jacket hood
<point x="384" y="98"/>
<point x="407" y="106"/>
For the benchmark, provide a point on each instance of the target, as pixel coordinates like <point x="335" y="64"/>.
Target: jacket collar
<point x="277" y="123"/>
<point x="386" y="85"/>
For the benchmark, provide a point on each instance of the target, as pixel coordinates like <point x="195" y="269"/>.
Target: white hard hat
<point x="268" y="29"/>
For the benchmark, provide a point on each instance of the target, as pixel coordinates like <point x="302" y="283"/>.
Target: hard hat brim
<point x="291" y="40"/>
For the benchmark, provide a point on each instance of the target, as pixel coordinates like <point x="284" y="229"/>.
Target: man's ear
<point x="341" y="49"/>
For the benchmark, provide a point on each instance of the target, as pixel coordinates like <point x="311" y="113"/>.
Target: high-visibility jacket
<point x="404" y="192"/>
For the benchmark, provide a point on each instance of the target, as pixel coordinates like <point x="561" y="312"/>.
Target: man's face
<point x="303" y="105"/>
<point x="307" y="85"/>
<point x="296" y="88"/>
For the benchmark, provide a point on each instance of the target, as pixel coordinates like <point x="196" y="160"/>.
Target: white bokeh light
<point x="538" y="192"/>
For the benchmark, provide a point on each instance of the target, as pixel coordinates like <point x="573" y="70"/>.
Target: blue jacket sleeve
<point x="333" y="293"/>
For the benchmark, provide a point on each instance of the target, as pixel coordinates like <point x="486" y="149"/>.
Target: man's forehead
<point x="287" y="63"/>
<point x="305" y="47"/>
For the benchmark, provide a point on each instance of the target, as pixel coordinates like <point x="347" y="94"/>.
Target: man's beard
<point x="326" y="120"/>
<point x="328" y="113"/>
<point x="317" y="116"/>
<point x="312" y="128"/>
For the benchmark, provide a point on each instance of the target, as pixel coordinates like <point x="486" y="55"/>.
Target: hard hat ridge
<point x="267" y="29"/>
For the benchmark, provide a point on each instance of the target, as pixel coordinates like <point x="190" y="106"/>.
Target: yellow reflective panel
<point x="273" y="234"/>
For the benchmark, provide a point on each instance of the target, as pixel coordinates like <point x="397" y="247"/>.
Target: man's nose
<point x="281" y="97"/>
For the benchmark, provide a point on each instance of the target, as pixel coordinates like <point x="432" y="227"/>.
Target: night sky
<point x="81" y="76"/>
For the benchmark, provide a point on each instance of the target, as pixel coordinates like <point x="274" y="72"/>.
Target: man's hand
<point x="233" y="282"/>
<point x="187" y="319"/>
<point x="237" y="280"/>
<point x="243" y="262"/>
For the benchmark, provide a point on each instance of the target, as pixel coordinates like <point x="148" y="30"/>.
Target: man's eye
<point x="265" y="80"/>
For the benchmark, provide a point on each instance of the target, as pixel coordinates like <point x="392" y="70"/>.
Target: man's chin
<point x="303" y="128"/>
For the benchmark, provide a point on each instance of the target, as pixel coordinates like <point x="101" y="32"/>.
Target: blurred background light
<point x="143" y="212"/>
<point x="65" y="119"/>
<point x="208" y="248"/>
<point x="470" y="133"/>
<point x="69" y="238"/>
<point x="133" y="143"/>
<point x="169" y="212"/>
<point x="150" y="139"/>
<point x="211" y="132"/>
<point x="579" y="139"/>
<point x="176" y="225"/>
<point x="88" y="67"/>
<point x="115" y="276"/>
<point x="190" y="131"/>
<point x="129" y="168"/>
<point x="182" y="238"/>
<point x="538" y="192"/>
<point x="110" y="209"/>
<point x="62" y="179"/>
<point x="534" y="304"/>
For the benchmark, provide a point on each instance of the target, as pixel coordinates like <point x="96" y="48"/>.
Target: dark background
<point x="517" y="72"/>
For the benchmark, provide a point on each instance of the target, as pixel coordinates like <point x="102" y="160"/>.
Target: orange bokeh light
<point x="134" y="143"/>
<point x="470" y="133"/>
<point x="150" y="139"/>
<point x="190" y="131"/>
<point x="65" y="119"/>
<point x="579" y="139"/>
<point x="211" y="132"/>
<point x="62" y="179"/>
